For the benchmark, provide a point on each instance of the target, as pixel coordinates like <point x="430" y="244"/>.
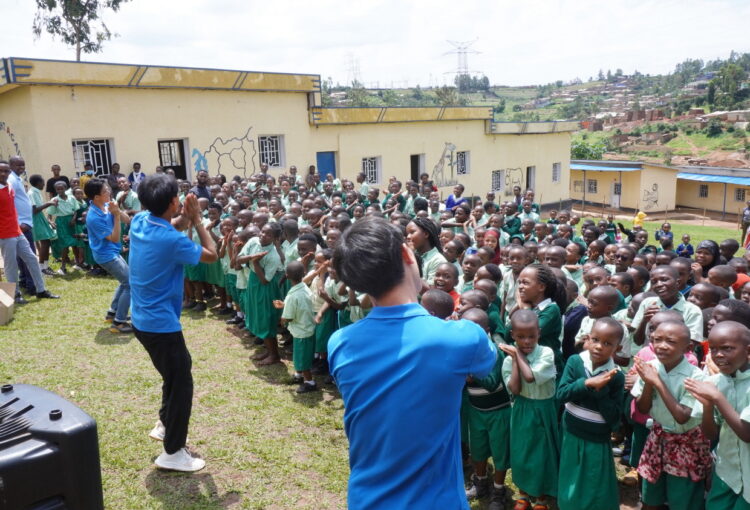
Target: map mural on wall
<point x="228" y="156"/>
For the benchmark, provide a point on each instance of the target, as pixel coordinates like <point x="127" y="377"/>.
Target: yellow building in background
<point x="229" y="122"/>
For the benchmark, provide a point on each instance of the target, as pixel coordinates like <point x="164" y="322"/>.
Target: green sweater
<point x="512" y="225"/>
<point x="550" y="325"/>
<point x="607" y="402"/>
<point x="489" y="393"/>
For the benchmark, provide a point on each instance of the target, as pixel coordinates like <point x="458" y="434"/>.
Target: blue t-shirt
<point x="452" y="201"/>
<point x="401" y="372"/>
<point x="99" y="224"/>
<point x="158" y="253"/>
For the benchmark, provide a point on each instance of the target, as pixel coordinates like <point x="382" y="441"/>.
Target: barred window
<point x="371" y="169"/>
<point x="556" y="172"/>
<point x="498" y="181"/>
<point x="592" y="185"/>
<point x="618" y="188"/>
<point x="462" y="163"/>
<point x="97" y="153"/>
<point x="578" y="186"/>
<point x="272" y="150"/>
<point x="703" y="191"/>
<point x="739" y="194"/>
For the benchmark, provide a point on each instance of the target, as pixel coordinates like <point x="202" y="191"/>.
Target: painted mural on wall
<point x="228" y="156"/>
<point x="8" y="144"/>
<point x="651" y="198"/>
<point x="444" y="172"/>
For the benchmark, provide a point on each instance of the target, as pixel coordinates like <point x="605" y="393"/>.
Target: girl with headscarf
<point x="707" y="255"/>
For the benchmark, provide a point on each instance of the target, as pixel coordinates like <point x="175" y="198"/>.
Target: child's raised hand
<point x="307" y="258"/>
<point x="647" y="372"/>
<point x="630" y="378"/>
<point x="258" y="256"/>
<point x="649" y="313"/>
<point x="703" y="391"/>
<point x="599" y="381"/>
<point x="318" y="318"/>
<point x="278" y="304"/>
<point x="510" y="350"/>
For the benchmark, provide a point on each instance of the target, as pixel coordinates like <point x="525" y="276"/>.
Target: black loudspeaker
<point x="49" y="452"/>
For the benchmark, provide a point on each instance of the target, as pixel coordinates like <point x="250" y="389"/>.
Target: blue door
<point x="326" y="164"/>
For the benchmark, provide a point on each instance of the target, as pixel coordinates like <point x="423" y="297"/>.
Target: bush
<point x="713" y="129"/>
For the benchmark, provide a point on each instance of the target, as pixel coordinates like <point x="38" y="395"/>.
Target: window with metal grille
<point x="703" y="191"/>
<point x="618" y="188"/>
<point x="739" y="195"/>
<point x="592" y="185"/>
<point x="556" y="172"/>
<point x="462" y="163"/>
<point x="170" y="153"/>
<point x="371" y="169"/>
<point x="272" y="150"/>
<point x="578" y="186"/>
<point x="498" y="181"/>
<point x="97" y="153"/>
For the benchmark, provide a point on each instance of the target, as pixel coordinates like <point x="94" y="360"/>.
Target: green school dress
<point x="43" y="231"/>
<point x="534" y="430"/>
<point x="261" y="318"/>
<point x="63" y="213"/>
<point x="586" y="454"/>
<point x="327" y="326"/>
<point x="550" y="326"/>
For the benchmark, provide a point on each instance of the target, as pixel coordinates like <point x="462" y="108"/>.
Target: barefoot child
<point x="592" y="389"/>
<point x="724" y="404"/>
<point x="529" y="373"/>
<point x="297" y="316"/>
<point x="676" y="457"/>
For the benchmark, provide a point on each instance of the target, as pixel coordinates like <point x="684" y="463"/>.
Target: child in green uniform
<point x="297" y="315"/>
<point x="242" y="239"/>
<point x="261" y="318"/>
<point x="592" y="390"/>
<point x="227" y="227"/>
<point x="488" y="415"/>
<point x="724" y="405"/>
<point x="63" y="210"/>
<point x="517" y="259"/>
<point x="43" y="231"/>
<point x="676" y="457"/>
<point x="213" y="273"/>
<point x="529" y="373"/>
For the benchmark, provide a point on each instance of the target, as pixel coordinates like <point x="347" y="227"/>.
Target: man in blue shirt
<point x="401" y="372"/>
<point x="103" y="223"/>
<point x="158" y="254"/>
<point x="25" y="219"/>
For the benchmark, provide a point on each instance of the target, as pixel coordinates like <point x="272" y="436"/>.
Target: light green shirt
<point x="674" y="380"/>
<point x="298" y="310"/>
<point x="64" y="207"/>
<point x="587" y="324"/>
<point x="507" y="291"/>
<point x="317" y="301"/>
<point x="290" y="251"/>
<point x="532" y="215"/>
<point x="364" y="189"/>
<point x="270" y="264"/>
<point x="131" y="201"/>
<point x="430" y="262"/>
<point x="732" y="454"/>
<point x="35" y="196"/>
<point x="576" y="276"/>
<point x="542" y="363"/>
<point x="331" y="287"/>
<point x="691" y="314"/>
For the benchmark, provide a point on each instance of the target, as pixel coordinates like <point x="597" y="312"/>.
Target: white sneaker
<point x="157" y="433"/>
<point x="181" y="460"/>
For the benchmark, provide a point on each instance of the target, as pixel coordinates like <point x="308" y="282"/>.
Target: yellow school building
<point x="231" y="121"/>
<point x="654" y="188"/>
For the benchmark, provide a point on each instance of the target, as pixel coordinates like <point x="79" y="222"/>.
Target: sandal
<point x="540" y="506"/>
<point x="522" y="503"/>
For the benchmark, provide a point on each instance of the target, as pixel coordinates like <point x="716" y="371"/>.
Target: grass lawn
<point x="265" y="446"/>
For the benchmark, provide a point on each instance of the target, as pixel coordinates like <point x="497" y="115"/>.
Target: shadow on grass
<point x="185" y="490"/>
<point x="105" y="337"/>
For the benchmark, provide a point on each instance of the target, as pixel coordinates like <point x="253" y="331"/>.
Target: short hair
<point x="681" y="261"/>
<point x="477" y="316"/>
<point x="608" y="294"/>
<point x="36" y="179"/>
<point x="643" y="273"/>
<point x="368" y="256"/>
<point x="308" y="237"/>
<point x="725" y="272"/>
<point x="295" y="271"/>
<point x="743" y="333"/>
<point x="156" y="192"/>
<point x="684" y="330"/>
<point x="477" y="298"/>
<point x="609" y="322"/>
<point x="93" y="187"/>
<point x="495" y="272"/>
<point x="438" y="302"/>
<point x="714" y="292"/>
<point x="524" y="316"/>
<point x="453" y="269"/>
<point x="739" y="310"/>
<point x="627" y="279"/>
<point x="217" y="206"/>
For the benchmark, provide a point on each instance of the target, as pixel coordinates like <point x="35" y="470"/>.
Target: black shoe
<point x="48" y="271"/>
<point x="498" y="498"/>
<point x="46" y="295"/>
<point x="20" y="300"/>
<point x="296" y="379"/>
<point x="258" y="341"/>
<point x="200" y="306"/>
<point x="479" y="487"/>
<point x="109" y="317"/>
<point x="329" y="380"/>
<point x="189" y="305"/>
<point x="225" y="311"/>
<point x="120" y="328"/>
<point x="235" y="320"/>
<point x="322" y="368"/>
<point x="306" y="388"/>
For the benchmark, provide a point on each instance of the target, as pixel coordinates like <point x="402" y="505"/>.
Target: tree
<point x="447" y="96"/>
<point x="583" y="150"/>
<point x="730" y="78"/>
<point x="500" y="108"/>
<point x="711" y="93"/>
<point x="600" y="76"/>
<point x="77" y="22"/>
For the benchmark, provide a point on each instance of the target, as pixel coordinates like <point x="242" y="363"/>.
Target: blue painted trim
<point x="145" y="70"/>
<point x="162" y="66"/>
<point x="413" y="107"/>
<point x="19" y="75"/>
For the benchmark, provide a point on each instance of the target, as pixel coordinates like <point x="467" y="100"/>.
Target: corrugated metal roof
<point x="600" y="168"/>
<point x="745" y="181"/>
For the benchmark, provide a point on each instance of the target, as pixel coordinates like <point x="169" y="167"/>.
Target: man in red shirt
<point x="14" y="244"/>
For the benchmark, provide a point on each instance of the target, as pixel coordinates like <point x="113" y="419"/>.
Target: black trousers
<point x="172" y="359"/>
<point x="24" y="279"/>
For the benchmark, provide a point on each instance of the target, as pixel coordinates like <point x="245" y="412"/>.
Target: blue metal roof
<point x="600" y="168"/>
<point x="729" y="179"/>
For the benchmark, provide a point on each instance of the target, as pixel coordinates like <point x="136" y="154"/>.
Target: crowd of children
<point x="600" y="333"/>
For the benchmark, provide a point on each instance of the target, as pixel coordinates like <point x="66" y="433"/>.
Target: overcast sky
<point x="404" y="42"/>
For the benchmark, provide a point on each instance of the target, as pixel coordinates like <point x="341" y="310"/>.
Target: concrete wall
<point x="221" y="128"/>
<point x="688" y="196"/>
<point x="658" y="188"/>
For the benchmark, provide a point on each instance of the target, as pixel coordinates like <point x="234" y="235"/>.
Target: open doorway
<point x="417" y="166"/>
<point x="530" y="177"/>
